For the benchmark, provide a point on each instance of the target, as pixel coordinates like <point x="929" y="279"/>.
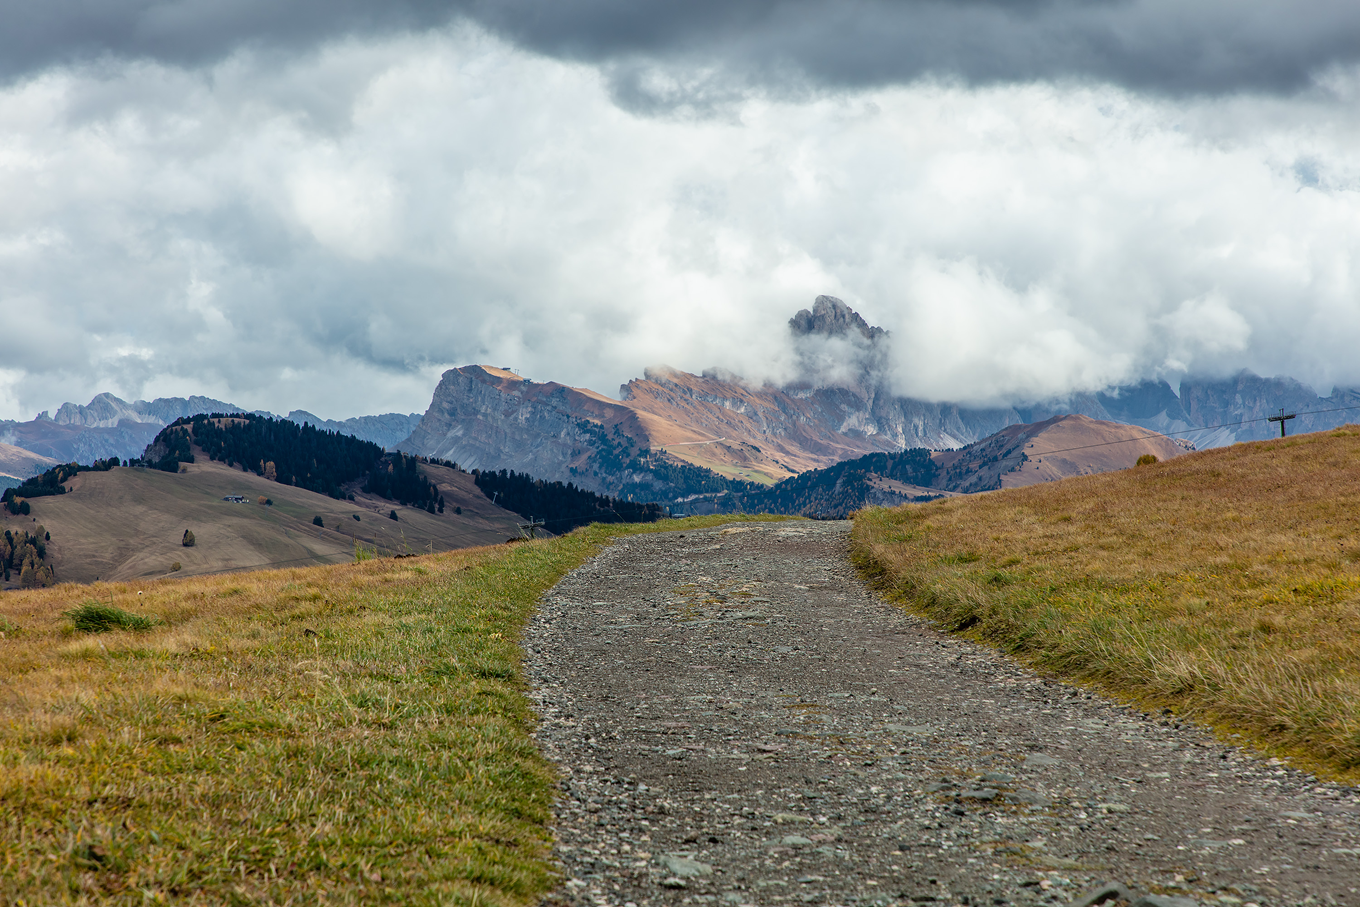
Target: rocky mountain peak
<point x="830" y="317"/>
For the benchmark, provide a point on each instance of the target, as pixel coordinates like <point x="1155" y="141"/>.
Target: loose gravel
<point x="737" y="720"/>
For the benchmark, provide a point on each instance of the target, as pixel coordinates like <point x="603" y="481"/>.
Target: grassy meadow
<point x="1223" y="585"/>
<point x="343" y="735"/>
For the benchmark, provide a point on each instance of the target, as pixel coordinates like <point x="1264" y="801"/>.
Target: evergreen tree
<point x="563" y="507"/>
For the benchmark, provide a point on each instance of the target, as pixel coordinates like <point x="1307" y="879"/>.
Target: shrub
<point x="317" y="521"/>
<point x="262" y="500"/>
<point x="188" y="540"/>
<point x="392" y="515"/>
<point x="176" y="567"/>
<point x="1146" y="460"/>
<point x="93" y="617"/>
<point x="356" y="518"/>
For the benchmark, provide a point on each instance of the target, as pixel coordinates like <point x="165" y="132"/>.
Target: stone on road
<point x="737" y="720"/>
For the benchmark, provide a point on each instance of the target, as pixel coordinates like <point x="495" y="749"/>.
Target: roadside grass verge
<point x="355" y="734"/>
<point x="1223" y="585"/>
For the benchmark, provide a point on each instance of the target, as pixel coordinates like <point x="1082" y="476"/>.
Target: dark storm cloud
<point x="190" y="32"/>
<point x="664" y="54"/>
<point x="1167" y="46"/>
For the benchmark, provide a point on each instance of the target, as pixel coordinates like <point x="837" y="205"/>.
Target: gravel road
<point x="737" y="720"/>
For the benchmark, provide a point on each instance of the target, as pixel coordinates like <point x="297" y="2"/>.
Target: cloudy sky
<point x="322" y="205"/>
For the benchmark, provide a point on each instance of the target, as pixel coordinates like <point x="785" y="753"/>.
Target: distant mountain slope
<point x="488" y="418"/>
<point x="1057" y="448"/>
<point x="106" y="427"/>
<point x="483" y="417"/>
<point x="107" y="411"/>
<point x="111" y="427"/>
<point x="842" y="407"/>
<point x="17" y="463"/>
<point x="79" y="443"/>
<point x="884" y="479"/>
<point x="129" y="523"/>
<point x="1241" y="403"/>
<point x="387" y="430"/>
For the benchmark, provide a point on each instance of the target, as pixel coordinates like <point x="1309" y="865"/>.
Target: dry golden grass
<point x="1224" y="585"/>
<point x="351" y="734"/>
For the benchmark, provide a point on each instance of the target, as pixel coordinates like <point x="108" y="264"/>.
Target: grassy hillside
<point x="129" y="523"/>
<point x="345" y="735"/>
<point x="1224" y="585"/>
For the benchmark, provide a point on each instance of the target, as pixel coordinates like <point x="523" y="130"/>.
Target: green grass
<point x="92" y="617"/>
<point x="356" y="734"/>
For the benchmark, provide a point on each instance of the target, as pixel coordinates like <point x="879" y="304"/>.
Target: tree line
<point x="25" y="552"/>
<point x="303" y="456"/>
<point x="839" y="489"/>
<point x="300" y="455"/>
<point x="397" y="477"/>
<point x="562" y="507"/>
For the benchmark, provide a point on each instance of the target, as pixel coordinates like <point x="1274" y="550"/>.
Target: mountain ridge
<point x="109" y="426"/>
<point x="841" y="407"/>
<point x="1057" y="448"/>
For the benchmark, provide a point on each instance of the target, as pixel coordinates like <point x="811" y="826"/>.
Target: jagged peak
<point x="831" y="317"/>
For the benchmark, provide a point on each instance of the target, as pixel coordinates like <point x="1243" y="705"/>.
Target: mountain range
<point x="672" y="434"/>
<point x="842" y="407"/>
<point x="111" y="427"/>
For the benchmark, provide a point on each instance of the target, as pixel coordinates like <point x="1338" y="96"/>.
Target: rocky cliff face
<point x="106" y="410"/>
<point x="489" y="418"/>
<point x="842" y="407"/>
<point x="1242" y="403"/>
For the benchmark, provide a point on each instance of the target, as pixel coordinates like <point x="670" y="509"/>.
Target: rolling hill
<point x="18" y="464"/>
<point x="129" y="523"/>
<point x="1057" y="448"/>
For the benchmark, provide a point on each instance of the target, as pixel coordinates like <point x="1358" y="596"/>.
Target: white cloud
<point x="330" y="234"/>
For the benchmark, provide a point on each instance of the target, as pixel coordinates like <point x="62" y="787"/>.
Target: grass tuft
<point x="1224" y="585"/>
<point x="93" y="617"/>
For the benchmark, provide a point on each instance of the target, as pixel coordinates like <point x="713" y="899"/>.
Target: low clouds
<point x="661" y="54"/>
<point x="330" y="230"/>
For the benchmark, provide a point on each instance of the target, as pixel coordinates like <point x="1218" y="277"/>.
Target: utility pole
<point x="531" y="527"/>
<point x="1282" y="419"/>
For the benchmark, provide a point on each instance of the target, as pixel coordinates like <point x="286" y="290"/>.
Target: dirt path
<point x="738" y="721"/>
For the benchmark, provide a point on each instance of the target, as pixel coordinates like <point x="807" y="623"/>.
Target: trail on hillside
<point x="737" y="720"/>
